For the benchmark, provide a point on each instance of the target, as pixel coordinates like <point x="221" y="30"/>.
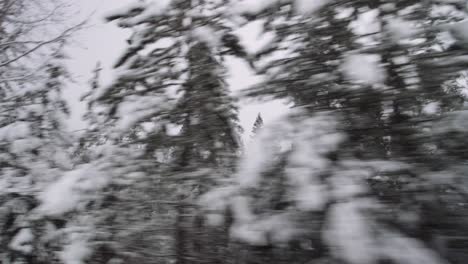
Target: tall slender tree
<point x="171" y="97"/>
<point x="257" y="124"/>
<point x="36" y="153"/>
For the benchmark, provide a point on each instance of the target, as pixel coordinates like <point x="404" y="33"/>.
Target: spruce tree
<point x="257" y="124"/>
<point x="34" y="141"/>
<point x="170" y="96"/>
<point x="36" y="146"/>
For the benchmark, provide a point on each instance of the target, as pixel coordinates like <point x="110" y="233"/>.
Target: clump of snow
<point x="53" y="198"/>
<point x="311" y="197"/>
<point x="24" y="144"/>
<point x="315" y="138"/>
<point x="241" y="208"/>
<point x="275" y="229"/>
<point x="253" y="38"/>
<point x="124" y="9"/>
<point x="348" y="183"/>
<point x="68" y="192"/>
<point x="151" y="8"/>
<point x="459" y="31"/>
<point x="14" y="131"/>
<point x="401" y="249"/>
<point x="215" y="202"/>
<point x="342" y="13"/>
<point x="306" y="7"/>
<point x="251" y="7"/>
<point x="260" y="154"/>
<point x="214" y="219"/>
<point x="381" y="178"/>
<point x="400" y="60"/>
<point x="207" y="35"/>
<point x="30" y="110"/>
<point x="400" y="29"/>
<point x="137" y="108"/>
<point x="76" y="252"/>
<point x="248" y="233"/>
<point x="366" y="23"/>
<point x="364" y="68"/>
<point x="349" y="233"/>
<point x="354" y="236"/>
<point x="22" y="241"/>
<point x="243" y="228"/>
<point x="216" y="199"/>
<point x="431" y="108"/>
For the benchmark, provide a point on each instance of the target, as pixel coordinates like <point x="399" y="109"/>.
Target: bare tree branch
<point x="63" y="35"/>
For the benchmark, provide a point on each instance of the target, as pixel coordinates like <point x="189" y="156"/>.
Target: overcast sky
<point x="104" y="42"/>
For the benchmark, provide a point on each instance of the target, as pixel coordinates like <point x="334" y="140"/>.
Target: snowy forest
<point x="366" y="166"/>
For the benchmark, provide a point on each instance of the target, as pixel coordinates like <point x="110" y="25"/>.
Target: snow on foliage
<point x="152" y="9"/>
<point x="136" y="108"/>
<point x="307" y="141"/>
<point x="366" y="23"/>
<point x="208" y="35"/>
<point x="405" y="250"/>
<point x="355" y="237"/>
<point x="72" y="189"/>
<point x="15" y="131"/>
<point x="243" y="228"/>
<point x="431" y="108"/>
<point x="256" y="229"/>
<point x="352" y="231"/>
<point x="364" y="68"/>
<point x="216" y="202"/>
<point x="306" y="7"/>
<point x="260" y="155"/>
<point x="253" y="38"/>
<point x="275" y="229"/>
<point x="22" y="145"/>
<point x="149" y="9"/>
<point x="348" y="182"/>
<point x="454" y="121"/>
<point x="22" y="241"/>
<point x="313" y="140"/>
<point x="400" y="29"/>
<point x="459" y="31"/>
<point x="251" y="7"/>
<point x="77" y="251"/>
<point x="349" y="232"/>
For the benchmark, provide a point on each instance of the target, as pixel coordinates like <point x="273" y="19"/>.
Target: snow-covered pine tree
<point x="368" y="65"/>
<point x="35" y="147"/>
<point x="34" y="141"/>
<point x="111" y="192"/>
<point x="257" y="124"/>
<point x="170" y="96"/>
<point x="206" y="113"/>
<point x="175" y="45"/>
<point x="209" y="140"/>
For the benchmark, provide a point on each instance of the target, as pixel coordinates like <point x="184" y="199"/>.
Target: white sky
<point x="104" y="42"/>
